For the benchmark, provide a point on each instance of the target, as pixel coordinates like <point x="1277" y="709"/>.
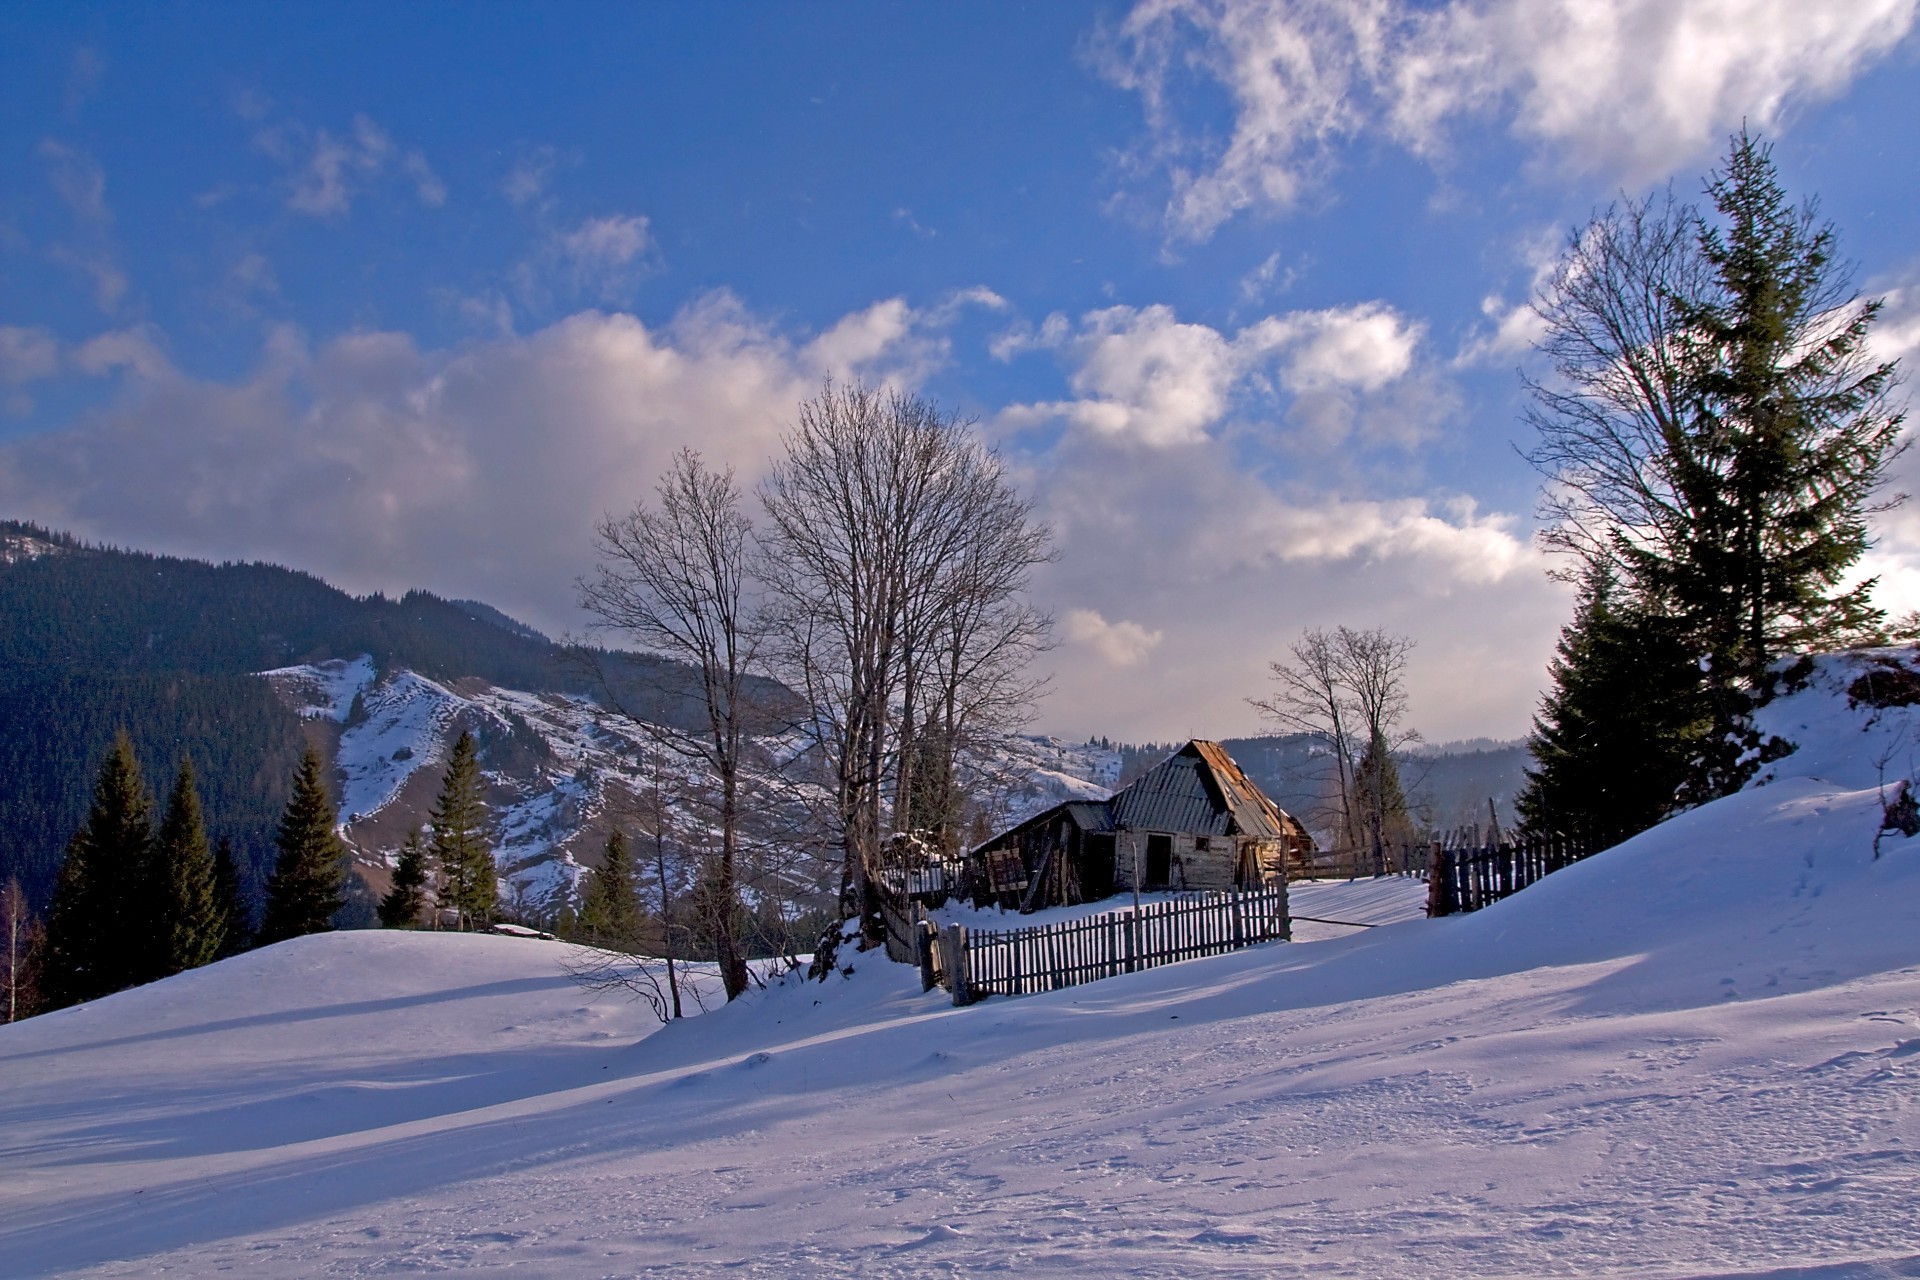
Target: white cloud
<point x="474" y="471"/>
<point x="1118" y="644"/>
<point x="527" y="181"/>
<point x="1143" y="376"/>
<point x="80" y="181"/>
<point x="605" y="243"/>
<point x="329" y="171"/>
<point x="1228" y="566"/>
<point x="27" y="355"/>
<point x="1630" y="89"/>
<point x="137" y="350"/>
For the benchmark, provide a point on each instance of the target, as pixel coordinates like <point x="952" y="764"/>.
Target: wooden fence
<point x="1469" y="877"/>
<point x="975" y="963"/>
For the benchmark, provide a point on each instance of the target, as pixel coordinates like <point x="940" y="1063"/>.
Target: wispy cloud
<point x="1627" y="89"/>
<point x="327" y="172"/>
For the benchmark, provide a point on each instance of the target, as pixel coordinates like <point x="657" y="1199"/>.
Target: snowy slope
<point x="1695" y="1054"/>
<point x="557" y="763"/>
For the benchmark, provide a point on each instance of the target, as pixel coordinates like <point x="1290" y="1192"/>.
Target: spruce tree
<point x="99" y="926"/>
<point x="610" y="907"/>
<point x="229" y="893"/>
<point x="460" y="842"/>
<point x="1618" y="736"/>
<point x="183" y="883"/>
<point x="305" y="888"/>
<point x="1791" y="435"/>
<point x="400" y="909"/>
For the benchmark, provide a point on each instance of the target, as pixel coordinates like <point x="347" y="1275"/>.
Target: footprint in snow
<point x="756" y="1060"/>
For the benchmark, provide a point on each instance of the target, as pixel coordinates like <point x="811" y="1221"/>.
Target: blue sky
<point x="407" y="294"/>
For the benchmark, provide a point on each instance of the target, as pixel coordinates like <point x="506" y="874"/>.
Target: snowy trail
<point x="1695" y="1054"/>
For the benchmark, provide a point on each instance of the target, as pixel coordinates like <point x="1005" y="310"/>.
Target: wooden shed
<point x="1193" y="821"/>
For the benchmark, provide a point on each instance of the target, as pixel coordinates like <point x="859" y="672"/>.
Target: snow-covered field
<point x="1695" y="1054"/>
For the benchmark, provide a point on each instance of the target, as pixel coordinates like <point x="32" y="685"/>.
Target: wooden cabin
<point x="1192" y="822"/>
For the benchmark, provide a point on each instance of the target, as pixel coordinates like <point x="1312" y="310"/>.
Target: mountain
<point x="95" y="639"/>
<point x="1694" y="1054"/>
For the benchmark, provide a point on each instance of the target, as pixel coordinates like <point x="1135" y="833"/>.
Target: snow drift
<point x="1695" y="1054"/>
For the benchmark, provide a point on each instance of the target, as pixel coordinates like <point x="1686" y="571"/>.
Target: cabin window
<point x="1201" y="844"/>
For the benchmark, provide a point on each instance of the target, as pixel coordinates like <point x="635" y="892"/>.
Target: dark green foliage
<point x="1790" y="436"/>
<point x="93" y="638"/>
<point x="400" y="909"/>
<point x="305" y="889"/>
<point x="1619" y="735"/>
<point x="461" y="844"/>
<point x="53" y="722"/>
<point x="230" y="897"/>
<point x="190" y="928"/>
<point x="1380" y="804"/>
<point x="99" y="926"/>
<point x="610" y="906"/>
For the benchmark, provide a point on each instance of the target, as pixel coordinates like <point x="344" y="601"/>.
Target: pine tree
<point x="610" y="907"/>
<point x="460" y="844"/>
<point x="1629" y="715"/>
<point x="1791" y="435"/>
<point x="236" y="915"/>
<point x="183" y="884"/>
<point x="400" y="909"/>
<point x="1379" y="802"/>
<point x="305" y="888"/>
<point x="99" y="934"/>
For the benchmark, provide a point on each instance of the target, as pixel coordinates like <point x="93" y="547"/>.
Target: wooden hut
<point x="1193" y="821"/>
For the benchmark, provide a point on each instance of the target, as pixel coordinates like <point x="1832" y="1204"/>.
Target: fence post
<point x="957" y="975"/>
<point x="925" y="935"/>
<point x="1133" y="940"/>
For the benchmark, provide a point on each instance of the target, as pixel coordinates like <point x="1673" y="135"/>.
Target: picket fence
<point x="974" y="963"/>
<point x="1467" y="878"/>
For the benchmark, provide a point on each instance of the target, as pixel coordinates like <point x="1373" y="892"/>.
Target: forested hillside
<point x="93" y="639"/>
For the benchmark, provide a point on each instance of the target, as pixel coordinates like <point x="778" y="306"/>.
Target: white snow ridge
<point x="1696" y="1054"/>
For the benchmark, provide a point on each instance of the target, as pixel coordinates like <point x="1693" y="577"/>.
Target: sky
<point x="411" y="295"/>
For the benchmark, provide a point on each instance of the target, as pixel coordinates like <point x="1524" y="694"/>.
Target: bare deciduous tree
<point x="1347" y="689"/>
<point x="676" y="579"/>
<point x="899" y="548"/>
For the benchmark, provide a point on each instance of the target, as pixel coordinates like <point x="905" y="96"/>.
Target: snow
<point x="324" y="690"/>
<point x="1694" y="1054"/>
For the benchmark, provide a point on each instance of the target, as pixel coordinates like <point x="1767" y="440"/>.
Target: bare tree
<point x="899" y="548"/>
<point x="18" y="951"/>
<point x="1612" y="423"/>
<point x="1312" y="699"/>
<point x="1346" y="688"/>
<point x="1372" y="666"/>
<point x="676" y="579"/>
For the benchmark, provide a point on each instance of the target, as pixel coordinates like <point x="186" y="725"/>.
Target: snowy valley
<point x="1697" y="1053"/>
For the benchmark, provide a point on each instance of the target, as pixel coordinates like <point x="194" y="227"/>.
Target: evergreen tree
<point x="229" y="895"/>
<point x="191" y="929"/>
<point x="1790" y="437"/>
<point x="98" y="925"/>
<point x="1629" y="715"/>
<point x="1379" y="802"/>
<point x="460" y="843"/>
<point x="610" y="907"/>
<point x="400" y="909"/>
<point x="305" y="889"/>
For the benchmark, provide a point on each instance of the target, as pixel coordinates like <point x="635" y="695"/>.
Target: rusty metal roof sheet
<point x="1199" y="789"/>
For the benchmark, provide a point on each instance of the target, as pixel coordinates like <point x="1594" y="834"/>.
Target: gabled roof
<point x="1198" y="789"/>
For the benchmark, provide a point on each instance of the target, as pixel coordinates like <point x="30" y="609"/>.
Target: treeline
<point x="94" y="638"/>
<point x="143" y="894"/>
